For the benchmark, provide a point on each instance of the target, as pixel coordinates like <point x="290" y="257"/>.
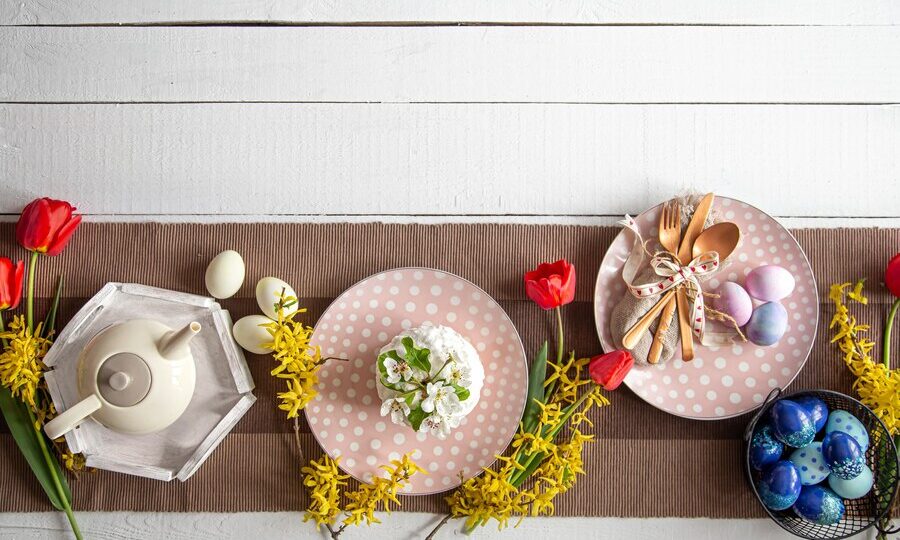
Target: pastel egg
<point x="765" y="449"/>
<point x="855" y="487"/>
<point x="767" y="324"/>
<point x="779" y="486"/>
<point x="819" y="505"/>
<point x="791" y="424"/>
<point x="843" y="455"/>
<point x="810" y="464"/>
<point x="734" y="301"/>
<point x="846" y="422"/>
<point x="250" y="335"/>
<point x="225" y="274"/>
<point x="268" y="291"/>
<point x="769" y="283"/>
<point x="816" y="408"/>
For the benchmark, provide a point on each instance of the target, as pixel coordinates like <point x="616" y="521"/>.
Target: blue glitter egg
<point x="810" y="464"/>
<point x="816" y="409"/>
<point x="779" y="486"/>
<point x="764" y="448"/>
<point x="791" y="424"/>
<point x="846" y="422"/>
<point x="819" y="505"/>
<point x="842" y="455"/>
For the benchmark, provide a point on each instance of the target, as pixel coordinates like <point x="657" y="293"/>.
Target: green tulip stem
<point x="886" y="343"/>
<point x="886" y="359"/>
<point x="559" y="337"/>
<point x="29" y="298"/>
<point x="2" y="330"/>
<point x="67" y="507"/>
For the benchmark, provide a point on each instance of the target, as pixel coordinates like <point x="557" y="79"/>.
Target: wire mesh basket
<point x="881" y="457"/>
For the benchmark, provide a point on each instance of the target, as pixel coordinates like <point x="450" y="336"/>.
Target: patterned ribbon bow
<point x="673" y="274"/>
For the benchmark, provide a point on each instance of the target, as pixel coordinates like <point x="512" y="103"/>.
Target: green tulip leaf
<point x="535" y="389"/>
<point x="23" y="432"/>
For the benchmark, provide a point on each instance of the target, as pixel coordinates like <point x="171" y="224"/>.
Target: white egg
<point x="250" y="335"/>
<point x="225" y="274"/>
<point x="268" y="291"/>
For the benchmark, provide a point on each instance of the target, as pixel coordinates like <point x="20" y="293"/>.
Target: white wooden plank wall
<point x="412" y="110"/>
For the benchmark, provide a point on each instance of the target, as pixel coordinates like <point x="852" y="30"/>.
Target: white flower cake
<point x="429" y="378"/>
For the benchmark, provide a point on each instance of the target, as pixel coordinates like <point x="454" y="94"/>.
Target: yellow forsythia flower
<point x="21" y="363"/>
<point x="298" y="361"/>
<point x="878" y="387"/>
<point x="323" y="482"/>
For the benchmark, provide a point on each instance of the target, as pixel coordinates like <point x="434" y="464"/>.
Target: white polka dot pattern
<point x="722" y="381"/>
<point x="345" y="416"/>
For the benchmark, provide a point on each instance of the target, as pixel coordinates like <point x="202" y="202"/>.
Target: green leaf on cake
<point x="416" y="357"/>
<point x="416" y="416"/>
<point x="462" y="393"/>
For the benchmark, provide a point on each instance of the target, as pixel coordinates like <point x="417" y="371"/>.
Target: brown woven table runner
<point x="646" y="463"/>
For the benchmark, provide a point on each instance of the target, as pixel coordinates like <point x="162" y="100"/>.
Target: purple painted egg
<point x="767" y="324"/>
<point x="769" y="283"/>
<point x="734" y="301"/>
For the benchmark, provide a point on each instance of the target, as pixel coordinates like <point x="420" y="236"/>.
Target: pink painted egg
<point x="734" y="301"/>
<point x="769" y="283"/>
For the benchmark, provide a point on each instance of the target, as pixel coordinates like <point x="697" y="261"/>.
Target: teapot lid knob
<point x="124" y="379"/>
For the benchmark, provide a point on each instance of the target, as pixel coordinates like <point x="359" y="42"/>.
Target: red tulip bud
<point x="11" y="275"/>
<point x="46" y="225"/>
<point x="551" y="285"/>
<point x="609" y="370"/>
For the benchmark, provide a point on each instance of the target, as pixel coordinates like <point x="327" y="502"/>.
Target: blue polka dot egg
<point x="779" y="486"/>
<point x="810" y="464"/>
<point x="819" y="505"/>
<point x="792" y="424"/>
<point x="847" y="423"/>
<point x="764" y="448"/>
<point x="843" y="455"/>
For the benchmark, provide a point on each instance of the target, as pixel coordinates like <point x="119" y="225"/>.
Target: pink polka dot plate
<point x="729" y="380"/>
<point x="345" y="417"/>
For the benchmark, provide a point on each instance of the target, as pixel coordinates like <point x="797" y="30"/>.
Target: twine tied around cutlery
<point x="673" y="274"/>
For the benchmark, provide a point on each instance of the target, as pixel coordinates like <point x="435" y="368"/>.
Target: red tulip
<point x="11" y="275"/>
<point x="892" y="275"/>
<point x="551" y="285"/>
<point x="46" y="225"/>
<point x="609" y="370"/>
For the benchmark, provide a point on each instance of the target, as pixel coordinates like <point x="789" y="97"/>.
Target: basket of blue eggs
<point x="821" y="463"/>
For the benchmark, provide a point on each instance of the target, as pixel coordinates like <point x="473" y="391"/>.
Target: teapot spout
<point x="175" y="343"/>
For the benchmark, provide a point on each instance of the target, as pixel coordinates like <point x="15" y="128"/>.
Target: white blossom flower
<point x="397" y="408"/>
<point x="397" y="370"/>
<point x="435" y="425"/>
<point x="459" y="375"/>
<point x="441" y="398"/>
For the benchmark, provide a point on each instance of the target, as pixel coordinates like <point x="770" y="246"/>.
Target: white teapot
<point x="133" y="377"/>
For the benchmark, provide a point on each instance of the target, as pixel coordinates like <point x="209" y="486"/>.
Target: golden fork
<point x="670" y="238"/>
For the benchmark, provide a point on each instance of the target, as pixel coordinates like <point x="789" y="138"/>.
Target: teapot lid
<point x="124" y="379"/>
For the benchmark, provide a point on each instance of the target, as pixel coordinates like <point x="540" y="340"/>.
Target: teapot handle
<point x="71" y="417"/>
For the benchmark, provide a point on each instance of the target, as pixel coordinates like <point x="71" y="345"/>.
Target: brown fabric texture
<point x="645" y="463"/>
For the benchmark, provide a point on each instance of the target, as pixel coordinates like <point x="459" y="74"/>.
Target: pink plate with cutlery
<point x="726" y="380"/>
<point x="345" y="417"/>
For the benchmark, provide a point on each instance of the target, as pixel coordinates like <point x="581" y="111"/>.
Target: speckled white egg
<point x="268" y="291"/>
<point x="250" y="335"/>
<point x="769" y="283"/>
<point x="734" y="301"/>
<point x="855" y="488"/>
<point x="810" y="463"/>
<point x="225" y="274"/>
